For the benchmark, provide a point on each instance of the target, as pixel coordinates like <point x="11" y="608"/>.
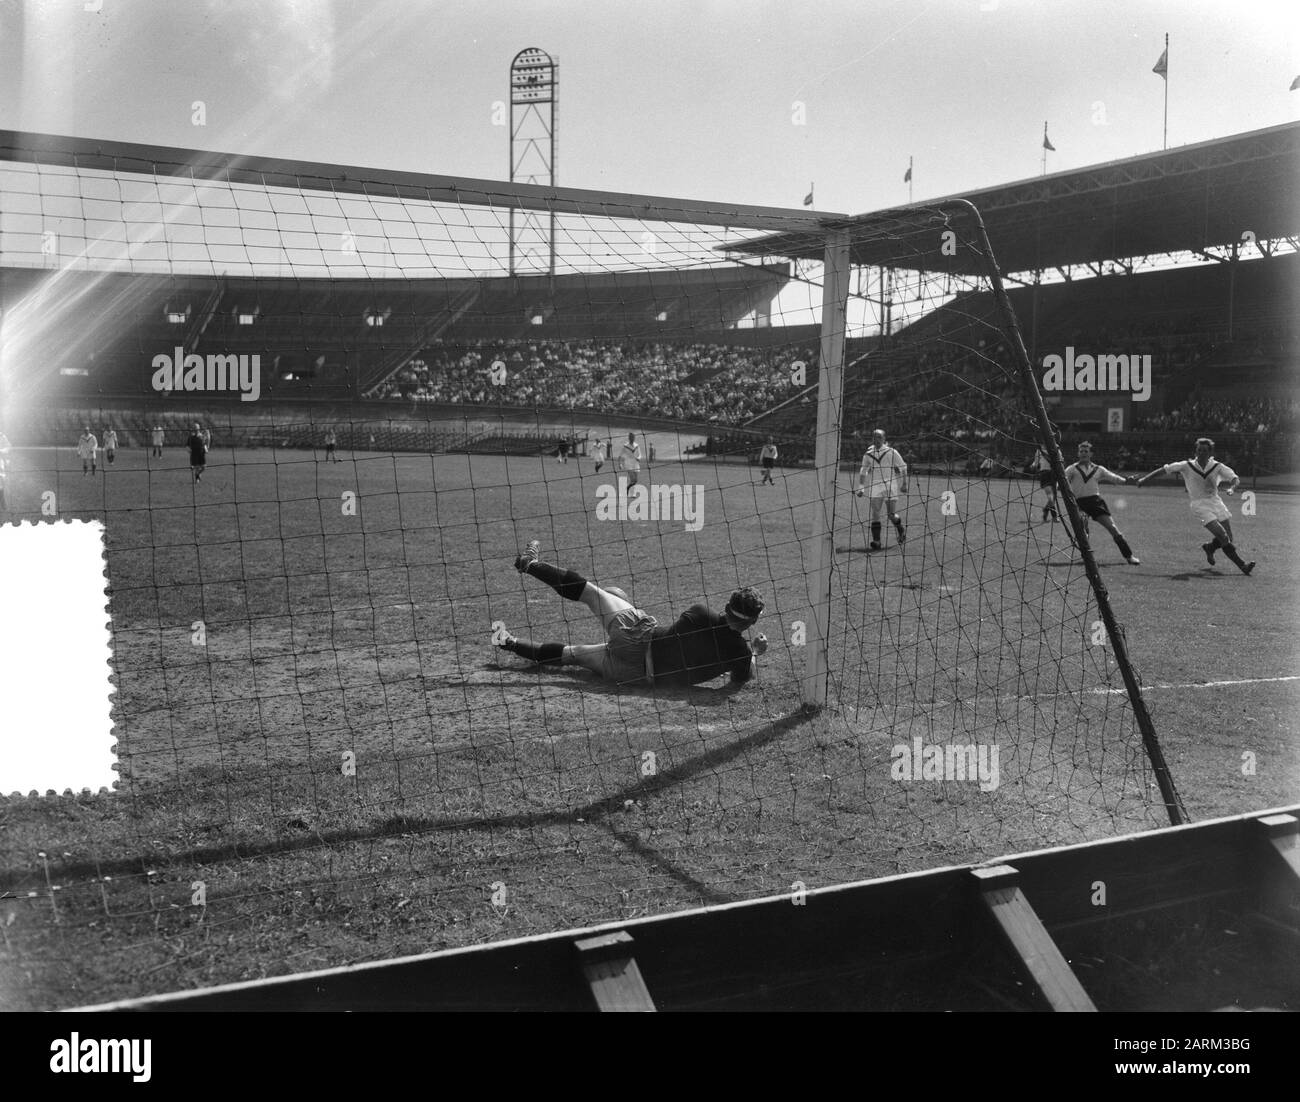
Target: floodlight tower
<point x="534" y="92"/>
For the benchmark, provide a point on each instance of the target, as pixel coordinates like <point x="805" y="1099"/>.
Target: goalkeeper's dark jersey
<point x="699" y="646"/>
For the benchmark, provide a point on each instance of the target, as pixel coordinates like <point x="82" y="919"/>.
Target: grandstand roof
<point x="1193" y="197"/>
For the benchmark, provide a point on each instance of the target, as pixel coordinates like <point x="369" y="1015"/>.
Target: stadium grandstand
<point x="1186" y="255"/>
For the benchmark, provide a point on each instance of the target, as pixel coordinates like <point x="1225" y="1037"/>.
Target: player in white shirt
<point x="110" y="445"/>
<point x="1203" y="476"/>
<point x="1085" y="478"/>
<point x="598" y="453"/>
<point x="88" y="450"/>
<point x="1041" y="465"/>
<point x="629" y="459"/>
<point x="768" y="458"/>
<point x="156" y="442"/>
<point x="883" y="477"/>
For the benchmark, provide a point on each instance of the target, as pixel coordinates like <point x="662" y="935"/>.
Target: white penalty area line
<point x="1120" y="691"/>
<point x="1207" y="684"/>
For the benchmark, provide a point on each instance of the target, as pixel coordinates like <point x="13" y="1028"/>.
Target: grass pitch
<point x="484" y="798"/>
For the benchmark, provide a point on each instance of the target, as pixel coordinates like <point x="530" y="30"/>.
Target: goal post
<point x="830" y="404"/>
<point x="339" y="702"/>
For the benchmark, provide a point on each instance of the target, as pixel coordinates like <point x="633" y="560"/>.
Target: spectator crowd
<point x="725" y="384"/>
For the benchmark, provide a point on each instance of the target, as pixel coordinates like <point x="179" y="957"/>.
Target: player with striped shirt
<point x="884" y="477"/>
<point x="1203" y="475"/>
<point x="1085" y="478"/>
<point x="699" y="646"/>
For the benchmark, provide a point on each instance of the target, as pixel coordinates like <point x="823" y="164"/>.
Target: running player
<point x="1085" y="478"/>
<point x="1203" y="476"/>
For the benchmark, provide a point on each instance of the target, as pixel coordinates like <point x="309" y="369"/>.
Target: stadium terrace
<point x="215" y="373"/>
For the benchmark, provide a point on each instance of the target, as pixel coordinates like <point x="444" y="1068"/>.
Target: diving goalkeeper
<point x="699" y="646"/>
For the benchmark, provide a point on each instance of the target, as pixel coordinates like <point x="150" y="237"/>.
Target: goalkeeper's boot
<point x="530" y="556"/>
<point x="1208" y="548"/>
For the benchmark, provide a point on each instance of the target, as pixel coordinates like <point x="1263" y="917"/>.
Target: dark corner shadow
<point x="396" y="826"/>
<point x="1205" y="574"/>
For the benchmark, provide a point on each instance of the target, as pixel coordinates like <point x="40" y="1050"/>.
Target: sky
<point x="746" y="101"/>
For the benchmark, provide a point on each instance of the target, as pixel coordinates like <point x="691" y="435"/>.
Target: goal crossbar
<point x="92" y="154"/>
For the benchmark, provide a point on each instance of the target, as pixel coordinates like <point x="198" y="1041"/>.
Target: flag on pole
<point x="808" y="199"/>
<point x="907" y="176"/>
<point x="1295" y="84"/>
<point x="1047" y="142"/>
<point x="1161" y="67"/>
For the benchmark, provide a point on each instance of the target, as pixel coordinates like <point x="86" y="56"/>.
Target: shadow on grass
<point x="404" y="825"/>
<point x="577" y="679"/>
<point x="652" y="856"/>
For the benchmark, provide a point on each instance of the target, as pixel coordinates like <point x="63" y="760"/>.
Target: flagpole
<point x="1165" y="139"/>
<point x="1044" y="147"/>
<point x="909" y="181"/>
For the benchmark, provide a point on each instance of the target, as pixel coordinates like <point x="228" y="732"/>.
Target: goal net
<point x="325" y="755"/>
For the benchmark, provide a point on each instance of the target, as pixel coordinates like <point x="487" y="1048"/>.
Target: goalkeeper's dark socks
<point x="875" y="533"/>
<point x="898" y="527"/>
<point x="569" y="584"/>
<point x="1124" y="548"/>
<point x="535" y="652"/>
